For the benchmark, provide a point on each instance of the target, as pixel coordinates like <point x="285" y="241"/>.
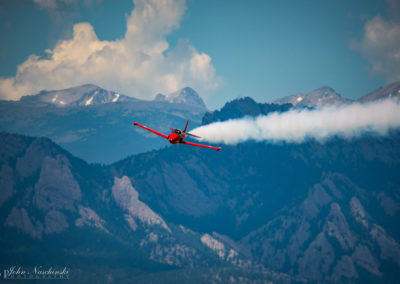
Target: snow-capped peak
<point x="85" y="95"/>
<point x="89" y="101"/>
<point x="186" y="96"/>
<point x="320" y="97"/>
<point x="116" y="98"/>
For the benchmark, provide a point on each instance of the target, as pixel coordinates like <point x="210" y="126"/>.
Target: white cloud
<point x="140" y="64"/>
<point x="381" y="43"/>
<point x="298" y="125"/>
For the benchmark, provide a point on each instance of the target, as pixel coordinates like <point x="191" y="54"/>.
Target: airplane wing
<point x="151" y="130"/>
<point x="201" y="145"/>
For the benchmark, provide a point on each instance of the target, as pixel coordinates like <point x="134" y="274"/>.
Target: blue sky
<point x="224" y="49"/>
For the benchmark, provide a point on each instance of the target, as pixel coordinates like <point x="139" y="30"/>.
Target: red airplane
<point x="177" y="136"/>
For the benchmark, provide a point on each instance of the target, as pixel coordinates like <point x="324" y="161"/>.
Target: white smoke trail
<point x="298" y="125"/>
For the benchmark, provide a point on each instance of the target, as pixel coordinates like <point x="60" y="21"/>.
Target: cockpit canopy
<point x="177" y="131"/>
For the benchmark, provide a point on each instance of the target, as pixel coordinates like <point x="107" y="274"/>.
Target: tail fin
<point x="187" y="122"/>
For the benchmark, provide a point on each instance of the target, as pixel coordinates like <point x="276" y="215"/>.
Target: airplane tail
<point x="187" y="133"/>
<point x="187" y="122"/>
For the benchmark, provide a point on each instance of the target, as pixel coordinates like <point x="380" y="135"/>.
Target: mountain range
<point x="389" y="91"/>
<point x="252" y="213"/>
<point x="85" y="95"/>
<point x="96" y="124"/>
<point x="58" y="210"/>
<point x="326" y="96"/>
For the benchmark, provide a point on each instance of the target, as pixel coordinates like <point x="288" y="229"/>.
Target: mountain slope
<point x="275" y="206"/>
<point x="390" y="91"/>
<point x="286" y="205"/>
<point x="332" y="235"/>
<point x="59" y="211"/>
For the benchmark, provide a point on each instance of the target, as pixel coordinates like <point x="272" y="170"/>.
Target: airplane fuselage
<point x="175" y="138"/>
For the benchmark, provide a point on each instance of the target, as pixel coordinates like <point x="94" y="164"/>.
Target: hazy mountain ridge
<point x="85" y="95"/>
<point x="324" y="96"/>
<point x="186" y="96"/>
<point x="389" y="91"/>
<point x="96" y="124"/>
<point x="327" y="96"/>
